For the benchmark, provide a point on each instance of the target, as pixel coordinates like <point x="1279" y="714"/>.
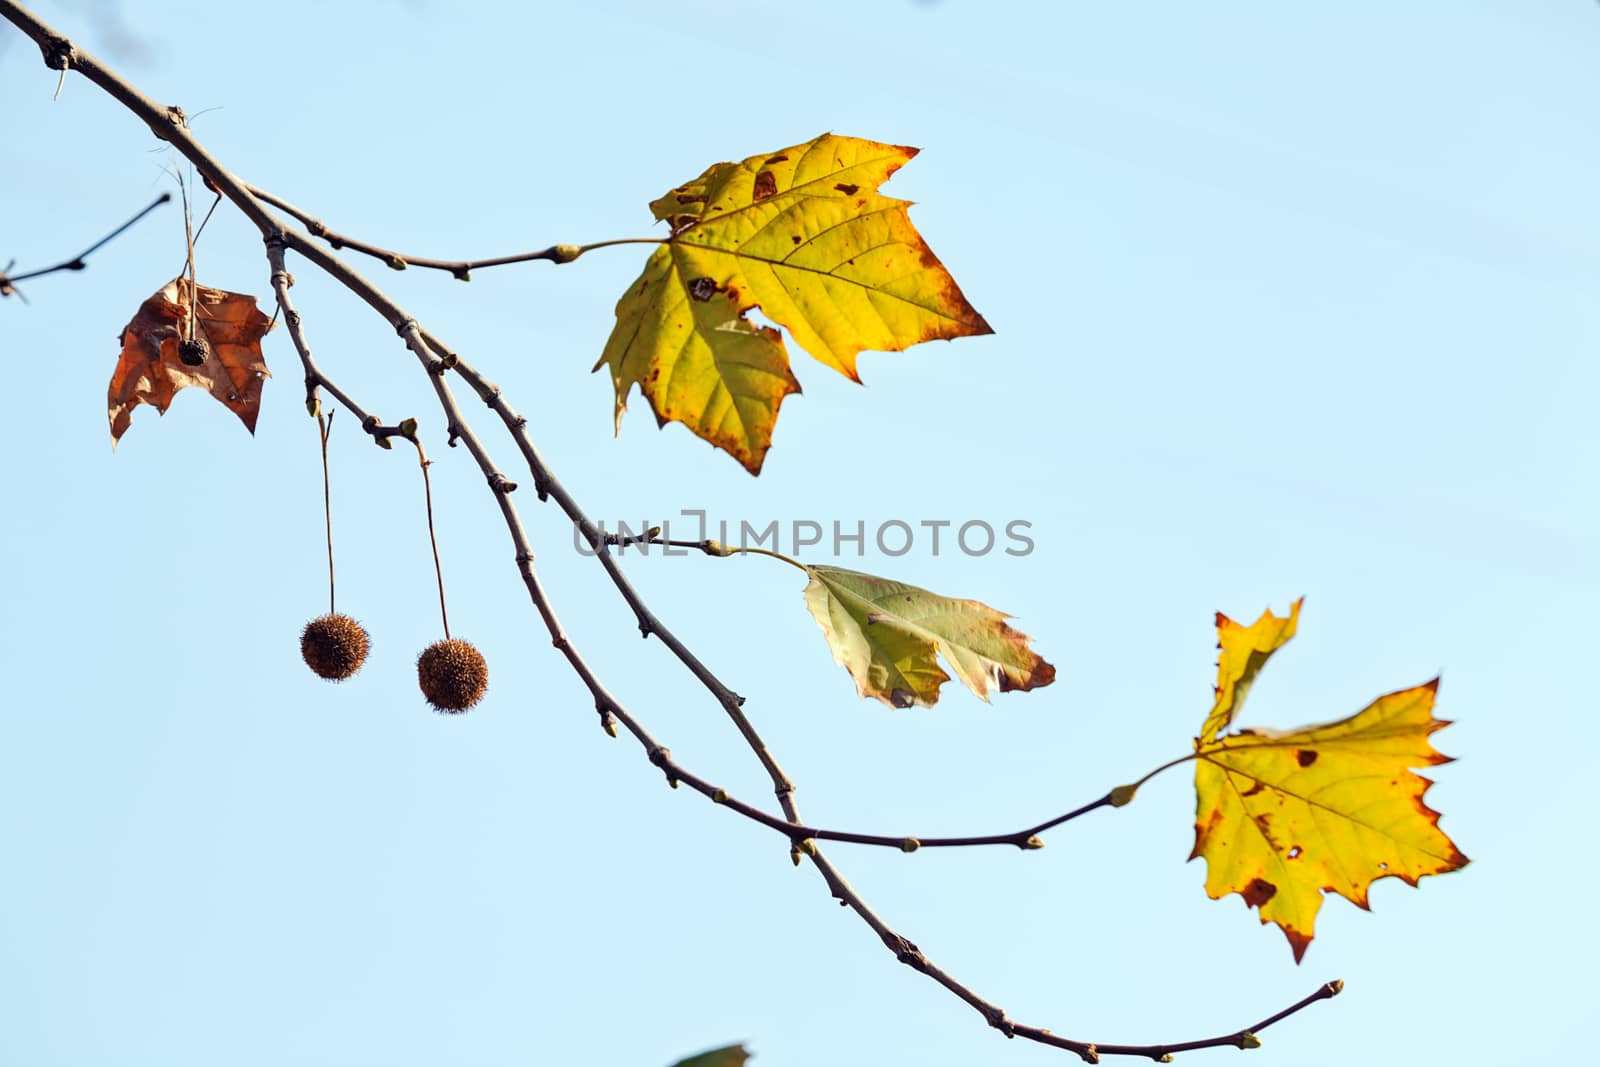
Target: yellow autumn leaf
<point x="1244" y="650"/>
<point x="1284" y="817"/>
<point x="802" y="234"/>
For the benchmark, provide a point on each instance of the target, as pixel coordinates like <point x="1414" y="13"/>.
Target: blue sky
<point x="1288" y="300"/>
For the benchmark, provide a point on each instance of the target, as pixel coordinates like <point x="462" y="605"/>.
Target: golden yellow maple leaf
<point x="802" y="234"/>
<point x="1283" y="817"/>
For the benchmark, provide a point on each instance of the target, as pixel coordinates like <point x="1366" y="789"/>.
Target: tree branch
<point x="8" y="281"/>
<point x="460" y="269"/>
<point x="315" y="378"/>
<point x="170" y="125"/>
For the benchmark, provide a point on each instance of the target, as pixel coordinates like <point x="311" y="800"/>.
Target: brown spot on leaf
<point x="1042" y="675"/>
<point x="1253" y="790"/>
<point x="776" y="159"/>
<point x="847" y="189"/>
<point x="1294" y="853"/>
<point x="1202" y="832"/>
<point x="690" y="198"/>
<point x="766" y="185"/>
<point x="1298" y="942"/>
<point x="1258" y="892"/>
<point x="702" y="288"/>
<point x="1305" y="756"/>
<point x="795" y="238"/>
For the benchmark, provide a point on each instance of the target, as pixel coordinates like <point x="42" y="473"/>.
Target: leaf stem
<point x="729" y="550"/>
<point x="709" y="547"/>
<point x="1124" y="794"/>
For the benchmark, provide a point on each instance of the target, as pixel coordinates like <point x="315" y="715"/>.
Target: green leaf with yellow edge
<point x="889" y="636"/>
<point x="802" y="234"/>
<point x="729" y="1056"/>
<point x="1283" y="817"/>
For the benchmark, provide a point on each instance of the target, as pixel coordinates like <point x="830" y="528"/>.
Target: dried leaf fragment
<point x="728" y="1056"/>
<point x="156" y="361"/>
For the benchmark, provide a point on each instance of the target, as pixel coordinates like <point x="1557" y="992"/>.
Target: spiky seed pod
<point x="334" y="646"/>
<point x="452" y="675"/>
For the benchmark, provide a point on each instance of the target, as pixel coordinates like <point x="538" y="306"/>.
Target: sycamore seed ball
<point x="452" y="675"/>
<point x="334" y="646"/>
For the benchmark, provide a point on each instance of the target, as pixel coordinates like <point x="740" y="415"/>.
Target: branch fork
<point x="436" y="359"/>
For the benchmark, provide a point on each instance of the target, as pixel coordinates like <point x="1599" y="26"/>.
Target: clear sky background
<point x="1288" y="300"/>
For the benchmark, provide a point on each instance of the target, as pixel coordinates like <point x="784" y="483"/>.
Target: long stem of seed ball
<point x="427" y="494"/>
<point x="324" y="428"/>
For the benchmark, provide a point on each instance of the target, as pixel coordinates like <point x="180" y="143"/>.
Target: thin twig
<point x="460" y="269"/>
<point x="433" y="539"/>
<point x="324" y="428"/>
<point x="904" y="950"/>
<point x="200" y="229"/>
<point x="282" y="280"/>
<point x="547" y="486"/>
<point x="707" y="545"/>
<point x="191" y="321"/>
<point x="795" y="831"/>
<point x="8" y="280"/>
<point x="169" y="124"/>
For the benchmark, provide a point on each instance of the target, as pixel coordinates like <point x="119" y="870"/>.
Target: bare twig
<point x="315" y="378"/>
<point x="190" y="321"/>
<point x="904" y="950"/>
<point x="609" y="709"/>
<point x="433" y="538"/>
<point x="460" y="269"/>
<point x="8" y="281"/>
<point x="325" y="427"/>
<point x="200" y="229"/>
<point x="170" y="125"/>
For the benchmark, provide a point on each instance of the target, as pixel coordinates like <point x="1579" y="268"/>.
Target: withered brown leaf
<point x="152" y="369"/>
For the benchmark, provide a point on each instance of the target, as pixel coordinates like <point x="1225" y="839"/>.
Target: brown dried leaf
<point x="151" y="369"/>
